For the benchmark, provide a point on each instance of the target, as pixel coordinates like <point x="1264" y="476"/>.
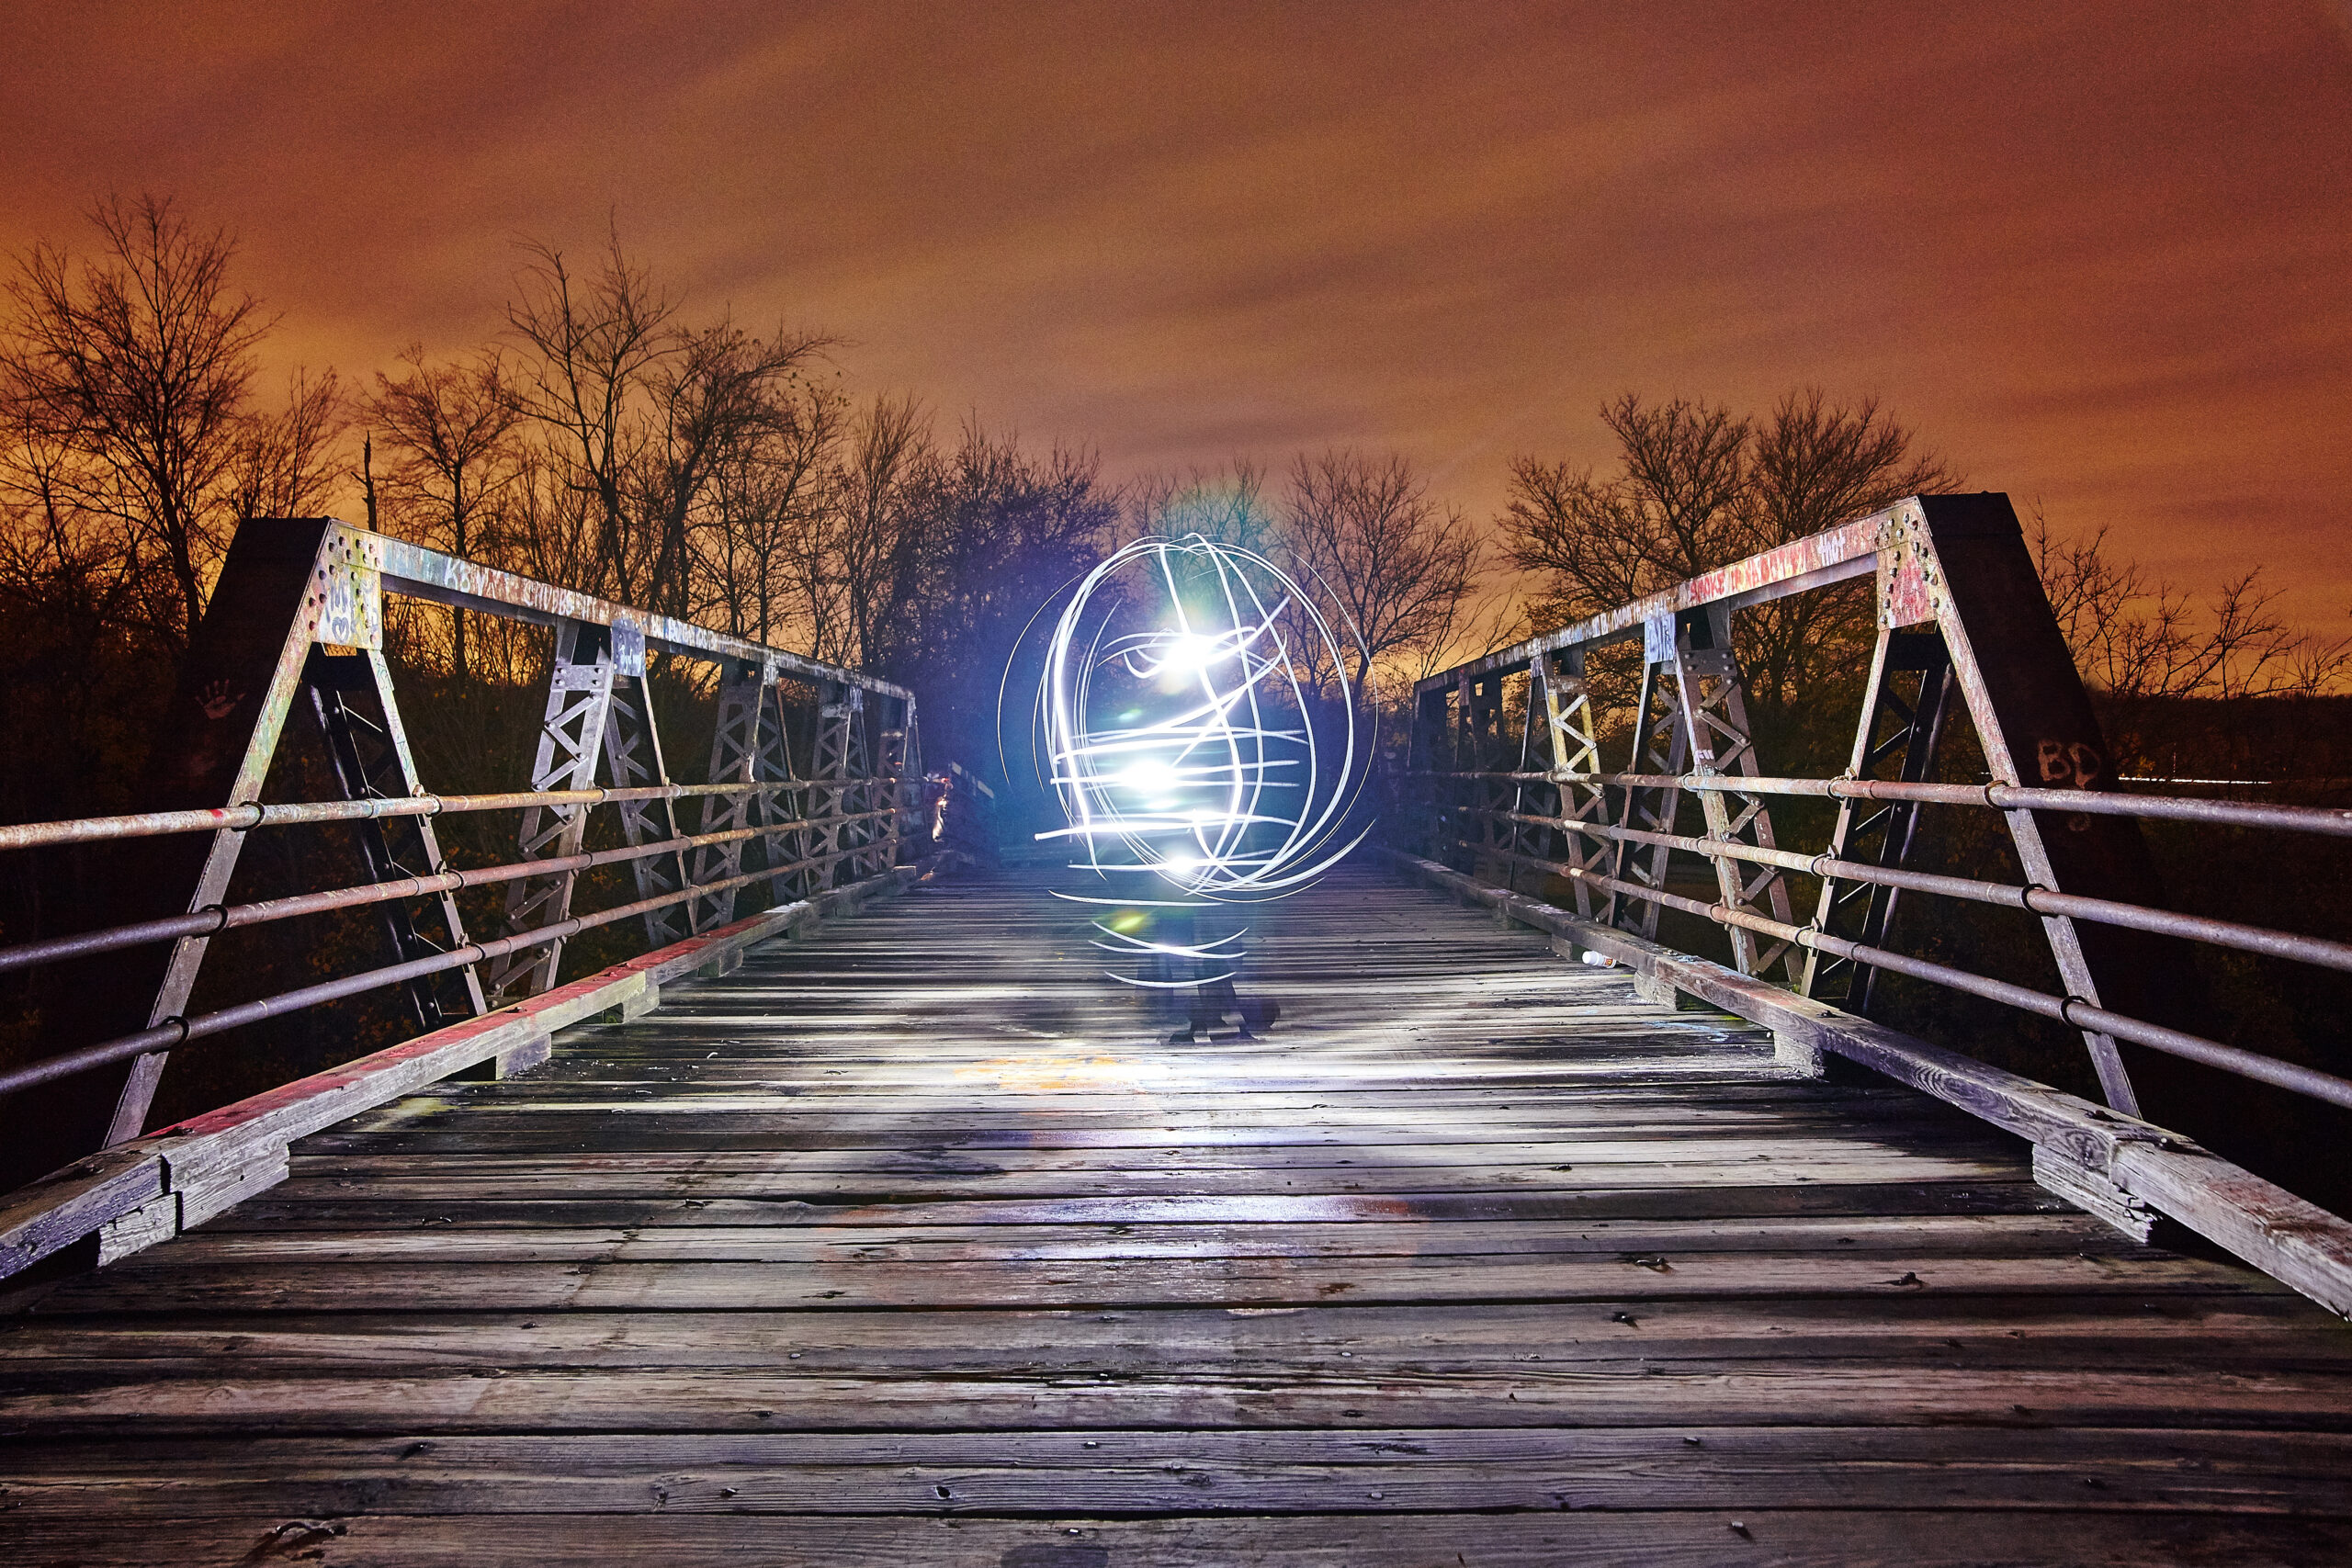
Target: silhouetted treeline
<point x="603" y="436"/>
<point x="608" y="437"/>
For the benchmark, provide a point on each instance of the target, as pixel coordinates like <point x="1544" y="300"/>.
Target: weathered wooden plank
<point x="1362" y="1538"/>
<point x="384" y="1285"/>
<point x="210" y="1162"/>
<point x="1109" y="1472"/>
<point x="911" y="1174"/>
<point x="2177" y="1331"/>
<point x="1957" y="1236"/>
<point x="1139" y="1136"/>
<point x="1623" y="1393"/>
<point x="2296" y="1242"/>
<point x="2293" y="1240"/>
<point x="64" y="1207"/>
<point x="944" y="1215"/>
<point x="346" y="1210"/>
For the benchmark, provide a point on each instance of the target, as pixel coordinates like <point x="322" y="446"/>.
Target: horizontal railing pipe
<point x="2245" y="938"/>
<point x="286" y="814"/>
<point x="2072" y="1011"/>
<point x="207" y="922"/>
<point x="174" y="1032"/>
<point x="1998" y="796"/>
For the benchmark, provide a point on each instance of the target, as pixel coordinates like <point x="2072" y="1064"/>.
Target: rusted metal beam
<point x="175" y="1031"/>
<point x="580" y="696"/>
<point x="188" y="1168"/>
<point x="1818" y="561"/>
<point x="307" y="813"/>
<point x="237" y="917"/>
<point x="429" y="574"/>
<point x="2332" y="823"/>
<point x="301" y="597"/>
<point x="1959" y="609"/>
<point x="2299" y="1244"/>
<point x="213" y="747"/>
<point x="2034" y="722"/>
<point x="2034" y="900"/>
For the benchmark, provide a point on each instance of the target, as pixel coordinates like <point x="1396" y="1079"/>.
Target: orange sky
<point x="2093" y="253"/>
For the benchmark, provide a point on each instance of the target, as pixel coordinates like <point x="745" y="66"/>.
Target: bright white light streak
<point x="1193" y="637"/>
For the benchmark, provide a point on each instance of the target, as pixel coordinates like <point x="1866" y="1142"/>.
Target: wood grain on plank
<point x="920" y="1216"/>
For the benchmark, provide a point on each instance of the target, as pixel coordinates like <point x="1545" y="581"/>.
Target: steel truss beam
<point x="633" y="757"/>
<point x="1479" y="712"/>
<point x="744" y="693"/>
<point x="1713" y="711"/>
<point x="298" y="614"/>
<point x="1902" y="725"/>
<point x="1559" y="704"/>
<point x="1956" y="565"/>
<point x="579" y="699"/>
<point x="372" y="762"/>
<point x="834" y="782"/>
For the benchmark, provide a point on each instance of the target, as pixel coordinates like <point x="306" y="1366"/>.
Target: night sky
<point x="2095" y="253"/>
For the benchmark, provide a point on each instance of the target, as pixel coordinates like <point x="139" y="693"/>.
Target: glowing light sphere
<point x="1182" y="730"/>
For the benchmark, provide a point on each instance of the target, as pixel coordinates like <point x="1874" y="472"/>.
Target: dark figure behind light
<point x="1210" y="1001"/>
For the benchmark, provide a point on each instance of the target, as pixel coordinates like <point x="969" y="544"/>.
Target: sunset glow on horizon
<point x="2097" y="255"/>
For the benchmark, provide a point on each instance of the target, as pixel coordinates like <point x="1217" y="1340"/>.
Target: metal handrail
<point x="207" y="922"/>
<point x="175" y="1031"/>
<point x="2032" y="899"/>
<point x="2071" y="1011"/>
<point x="1996" y="796"/>
<point x="1963" y="632"/>
<point x="278" y="814"/>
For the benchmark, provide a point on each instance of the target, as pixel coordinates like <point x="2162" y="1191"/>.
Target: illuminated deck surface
<point x="910" y="1244"/>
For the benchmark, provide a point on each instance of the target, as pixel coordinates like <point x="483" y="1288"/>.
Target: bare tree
<point x="1699" y="488"/>
<point x="451" y="427"/>
<point x="1813" y="466"/>
<point x="893" y="473"/>
<point x="285" y="464"/>
<point x="773" y="489"/>
<point x="718" y="393"/>
<point x="1680" y="506"/>
<point x="985" y="535"/>
<point x="133" y="369"/>
<point x="645" y="413"/>
<point x="1398" y="565"/>
<point x="2137" y="640"/>
<point x="590" y="343"/>
<point x="1225" y="504"/>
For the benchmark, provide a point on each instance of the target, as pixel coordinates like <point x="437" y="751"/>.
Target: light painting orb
<point x="1199" y="724"/>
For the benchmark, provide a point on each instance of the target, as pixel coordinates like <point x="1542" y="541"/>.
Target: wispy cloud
<point x="2097" y="252"/>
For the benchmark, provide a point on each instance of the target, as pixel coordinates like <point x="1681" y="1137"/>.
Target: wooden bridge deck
<point x="910" y="1243"/>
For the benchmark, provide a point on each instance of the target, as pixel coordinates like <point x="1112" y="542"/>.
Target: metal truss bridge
<point x="859" y="1219"/>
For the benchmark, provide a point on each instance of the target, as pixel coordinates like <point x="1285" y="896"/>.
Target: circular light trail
<point x="1181" y="724"/>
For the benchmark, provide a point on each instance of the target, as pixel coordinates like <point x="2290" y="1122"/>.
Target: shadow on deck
<point x="911" y="1243"/>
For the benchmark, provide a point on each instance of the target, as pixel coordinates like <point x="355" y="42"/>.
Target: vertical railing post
<point x="735" y="745"/>
<point x="1558" y="696"/>
<point x="1896" y="734"/>
<point x="1421" y="806"/>
<point x="831" y="784"/>
<point x="1722" y="744"/>
<point x="371" y="760"/>
<point x="1965" y="558"/>
<point x="579" y="697"/>
<point x="772" y="763"/>
<point x="237" y="685"/>
<point x="1464" y="791"/>
<point x="1489" y="796"/>
<point x="1660" y="745"/>
<point x="633" y="758"/>
<point x="890" y="771"/>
